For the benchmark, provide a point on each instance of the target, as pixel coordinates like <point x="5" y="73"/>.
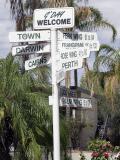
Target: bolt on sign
<point x="73" y="54"/>
<point x="37" y="62"/>
<point x="83" y="36"/>
<point x="29" y="36"/>
<point x="76" y="102"/>
<point x="70" y="64"/>
<point x="31" y="49"/>
<point x="53" y="18"/>
<point x="78" y="40"/>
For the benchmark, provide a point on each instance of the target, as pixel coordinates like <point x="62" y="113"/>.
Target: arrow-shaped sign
<point x="29" y="36"/>
<point x="37" y="62"/>
<point x="31" y="49"/>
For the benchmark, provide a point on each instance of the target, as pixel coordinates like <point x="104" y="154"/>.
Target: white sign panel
<point x="50" y="100"/>
<point x="78" y="41"/>
<point x="29" y="36"/>
<point x="75" y="102"/>
<point x="70" y="64"/>
<point x="75" y="36"/>
<point x="78" y="45"/>
<point x="53" y="18"/>
<point x="31" y="49"/>
<point x="68" y="55"/>
<point x="37" y="62"/>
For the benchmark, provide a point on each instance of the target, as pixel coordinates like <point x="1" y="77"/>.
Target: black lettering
<point x="63" y="21"/>
<point x="58" y="21"/>
<point x="24" y="36"/>
<point x="18" y="50"/>
<point x="46" y="15"/>
<point x="40" y="22"/>
<point x="59" y="14"/>
<point x="34" y="63"/>
<point x="45" y="22"/>
<point x="37" y="35"/>
<point x="19" y="35"/>
<point x="30" y="36"/>
<point x="53" y="22"/>
<point x="68" y="21"/>
<point x="30" y="64"/>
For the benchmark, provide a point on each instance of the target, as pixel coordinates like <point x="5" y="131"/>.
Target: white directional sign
<point x="37" y="62"/>
<point x="78" y="45"/>
<point x="78" y="40"/>
<point x="53" y="18"/>
<point x="75" y="102"/>
<point x="73" y="54"/>
<point x="70" y="64"/>
<point x="29" y="36"/>
<point x="77" y="35"/>
<point x="31" y="49"/>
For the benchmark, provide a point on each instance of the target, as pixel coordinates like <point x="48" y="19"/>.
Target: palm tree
<point x="105" y="77"/>
<point x="25" y="110"/>
<point x="86" y="18"/>
<point x="105" y="81"/>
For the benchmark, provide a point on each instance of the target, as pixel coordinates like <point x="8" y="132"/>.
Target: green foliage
<point x="100" y="149"/>
<point x="27" y="108"/>
<point x="116" y="149"/>
<point x="97" y="145"/>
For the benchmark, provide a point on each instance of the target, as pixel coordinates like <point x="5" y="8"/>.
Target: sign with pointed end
<point x="37" y="62"/>
<point x="29" y="36"/>
<point x="31" y="49"/>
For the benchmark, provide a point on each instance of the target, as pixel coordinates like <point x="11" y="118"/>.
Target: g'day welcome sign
<point x="53" y="18"/>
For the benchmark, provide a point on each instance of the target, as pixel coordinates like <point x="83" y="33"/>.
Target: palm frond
<point x="91" y="26"/>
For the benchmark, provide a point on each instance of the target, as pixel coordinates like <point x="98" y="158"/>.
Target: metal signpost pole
<point x="56" y="132"/>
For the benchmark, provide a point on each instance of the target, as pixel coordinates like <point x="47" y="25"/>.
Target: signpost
<point x="53" y="18"/>
<point x="31" y="49"/>
<point x="36" y="62"/>
<point x="29" y="36"/>
<point x="66" y="55"/>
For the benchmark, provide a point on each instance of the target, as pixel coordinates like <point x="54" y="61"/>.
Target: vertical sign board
<point x="31" y="49"/>
<point x="53" y="18"/>
<point x="29" y="36"/>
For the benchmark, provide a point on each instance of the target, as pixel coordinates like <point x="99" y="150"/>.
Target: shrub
<point x="100" y="149"/>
